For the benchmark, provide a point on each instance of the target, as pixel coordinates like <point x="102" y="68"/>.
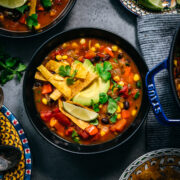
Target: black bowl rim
<point x="144" y="92"/>
<point x="53" y="24"/>
<point x="171" y="64"/>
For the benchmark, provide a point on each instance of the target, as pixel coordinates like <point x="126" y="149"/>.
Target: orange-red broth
<point x="122" y="66"/>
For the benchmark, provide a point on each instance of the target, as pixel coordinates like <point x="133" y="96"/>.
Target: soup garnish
<point x="88" y="91"/>
<point x="32" y="15"/>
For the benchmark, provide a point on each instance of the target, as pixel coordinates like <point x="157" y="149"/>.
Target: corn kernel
<point x="58" y="57"/>
<point x="64" y="45"/>
<point x="44" y="101"/>
<point x="97" y="45"/>
<point x="1" y="16"/>
<point x="53" y="121"/>
<point x="74" y="45"/>
<point x="116" y="78"/>
<point x="178" y="88"/>
<point x="114" y="48"/>
<point x="175" y="62"/>
<point x="38" y="26"/>
<point x="64" y="57"/>
<point x="53" y="12"/>
<point x="100" y="106"/>
<point x="133" y="113"/>
<point x="121" y="105"/>
<point x="119" y="116"/>
<point x="102" y="133"/>
<point x="93" y="49"/>
<point x="82" y="41"/>
<point x="136" y="77"/>
<point x="120" y="51"/>
<point x="118" y="109"/>
<point x="121" y="83"/>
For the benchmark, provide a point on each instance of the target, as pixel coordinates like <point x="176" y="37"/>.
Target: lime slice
<point x="155" y="5"/>
<point x="12" y="4"/>
<point x="79" y="112"/>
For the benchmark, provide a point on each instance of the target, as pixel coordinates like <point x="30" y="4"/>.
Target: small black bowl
<point x="33" y="115"/>
<point x="60" y="18"/>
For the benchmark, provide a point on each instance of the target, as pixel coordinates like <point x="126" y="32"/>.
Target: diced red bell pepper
<point x="90" y="54"/>
<point x="62" y="119"/>
<point x="22" y="20"/>
<point x="91" y="130"/>
<point x="125" y="114"/>
<point x="46" y="89"/>
<point x="124" y="92"/>
<point x="46" y="115"/>
<point x="108" y="50"/>
<point x="83" y="134"/>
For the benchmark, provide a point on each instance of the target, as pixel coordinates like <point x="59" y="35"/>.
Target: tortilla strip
<point x="80" y="84"/>
<point x="54" y="65"/>
<point x="83" y="125"/>
<point x="39" y="76"/>
<point x="33" y="4"/>
<point x="60" y="85"/>
<point x="81" y="70"/>
<point x="55" y="95"/>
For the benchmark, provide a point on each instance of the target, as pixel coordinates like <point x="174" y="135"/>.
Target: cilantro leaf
<point x="21" y="67"/>
<point x="136" y="95"/>
<point x="95" y="106"/>
<point x="22" y="8"/>
<point x="107" y="66"/>
<point x="46" y="3"/>
<point x="112" y="106"/>
<point x="103" y="98"/>
<point x="94" y="122"/>
<point x="32" y="21"/>
<point x="113" y="118"/>
<point x="70" y="81"/>
<point x="139" y="84"/>
<point x="75" y="136"/>
<point x="64" y="71"/>
<point x="10" y="62"/>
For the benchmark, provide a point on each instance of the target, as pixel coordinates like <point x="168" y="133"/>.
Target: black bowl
<point x="14" y="34"/>
<point x="33" y="115"/>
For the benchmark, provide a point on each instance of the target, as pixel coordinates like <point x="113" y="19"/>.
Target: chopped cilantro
<point x="95" y="106"/>
<point x="138" y="84"/>
<point x="22" y="8"/>
<point x="46" y="3"/>
<point x="64" y="71"/>
<point x="103" y="98"/>
<point x="113" y="118"/>
<point x="94" y="122"/>
<point x="136" y="95"/>
<point x="75" y="136"/>
<point x="112" y="106"/>
<point x="32" y="21"/>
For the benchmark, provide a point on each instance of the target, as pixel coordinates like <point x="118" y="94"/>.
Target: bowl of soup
<point x="84" y="90"/>
<point x="32" y="17"/>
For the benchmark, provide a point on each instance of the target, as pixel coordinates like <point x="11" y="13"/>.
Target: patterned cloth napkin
<point x="155" y="34"/>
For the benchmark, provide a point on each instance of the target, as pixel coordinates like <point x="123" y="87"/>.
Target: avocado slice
<point x="154" y="5"/>
<point x="92" y="92"/>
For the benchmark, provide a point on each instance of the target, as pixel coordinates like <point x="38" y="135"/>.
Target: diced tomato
<point x="127" y="71"/>
<point x="81" y="58"/>
<point x="119" y="126"/>
<point x="69" y="131"/>
<point x="101" y="55"/>
<point x="125" y="114"/>
<point x="56" y="110"/>
<point x="101" y="48"/>
<point x="83" y="134"/>
<point x="91" y="130"/>
<point x="40" y="8"/>
<point x="22" y="20"/>
<point x="46" y="89"/>
<point x="108" y="50"/>
<point x="96" y="137"/>
<point x="46" y="115"/>
<point x="62" y="119"/>
<point x="124" y="92"/>
<point x="90" y="54"/>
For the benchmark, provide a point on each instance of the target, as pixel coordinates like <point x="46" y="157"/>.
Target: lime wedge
<point x="12" y="4"/>
<point x="79" y="112"/>
<point x="155" y="5"/>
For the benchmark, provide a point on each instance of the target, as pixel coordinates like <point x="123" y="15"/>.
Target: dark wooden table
<point x="48" y="161"/>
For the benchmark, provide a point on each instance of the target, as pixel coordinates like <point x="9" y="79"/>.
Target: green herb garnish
<point x="22" y="8"/>
<point x="95" y="106"/>
<point x="75" y="136"/>
<point x="136" y="95"/>
<point x="71" y="80"/>
<point x="65" y="71"/>
<point x="103" y="70"/>
<point x="138" y="84"/>
<point x="10" y="67"/>
<point x="94" y="122"/>
<point x="115" y="60"/>
<point x="32" y="21"/>
<point x="103" y="98"/>
<point x="113" y="118"/>
<point x="112" y="106"/>
<point x="46" y="3"/>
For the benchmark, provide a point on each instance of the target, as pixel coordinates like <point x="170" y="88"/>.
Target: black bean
<point x="120" y="55"/>
<point x="97" y="58"/>
<point x="106" y="58"/>
<point x="105" y="120"/>
<point x="92" y="60"/>
<point x="126" y="105"/>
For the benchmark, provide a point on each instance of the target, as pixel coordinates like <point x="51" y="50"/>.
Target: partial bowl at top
<point x="25" y="18"/>
<point x="84" y="90"/>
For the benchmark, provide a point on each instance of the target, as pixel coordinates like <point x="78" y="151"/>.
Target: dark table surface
<point x="48" y="161"/>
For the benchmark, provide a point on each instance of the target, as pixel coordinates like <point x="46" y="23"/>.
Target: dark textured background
<point x="48" y="161"/>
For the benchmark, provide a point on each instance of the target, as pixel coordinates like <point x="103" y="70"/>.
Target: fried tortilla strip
<point x="60" y="85"/>
<point x="83" y="125"/>
<point x="54" y="65"/>
<point x="55" y="95"/>
<point x="80" y="84"/>
<point x="33" y="4"/>
<point x="39" y="76"/>
<point x="81" y="70"/>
